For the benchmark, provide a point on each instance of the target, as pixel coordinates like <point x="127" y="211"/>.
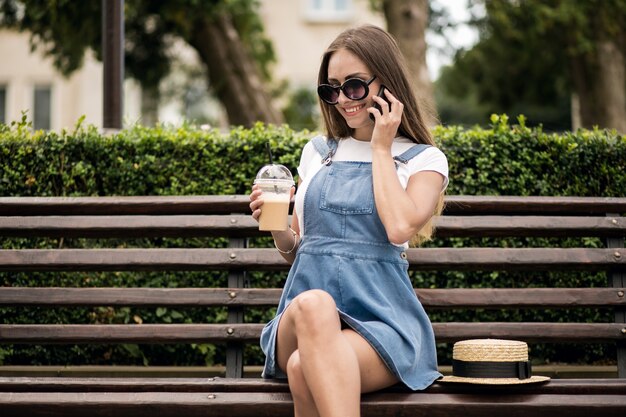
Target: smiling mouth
<point x="354" y="109"/>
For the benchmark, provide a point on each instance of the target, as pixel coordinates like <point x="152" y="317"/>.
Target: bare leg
<point x="304" y="404"/>
<point x="374" y="373"/>
<point x="328" y="367"/>
<point x="323" y="362"/>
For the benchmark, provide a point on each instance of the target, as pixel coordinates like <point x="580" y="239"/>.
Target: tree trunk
<point x="600" y="83"/>
<point x="612" y="86"/>
<point x="407" y="22"/>
<point x="149" y="105"/>
<point x="575" y="110"/>
<point x="233" y="74"/>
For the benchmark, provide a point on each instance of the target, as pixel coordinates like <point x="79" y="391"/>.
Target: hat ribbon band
<point x="469" y="369"/>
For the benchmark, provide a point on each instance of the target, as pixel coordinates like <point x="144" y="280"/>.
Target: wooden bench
<point x="232" y="395"/>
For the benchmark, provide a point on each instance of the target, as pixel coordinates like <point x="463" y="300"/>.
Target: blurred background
<point x="233" y="62"/>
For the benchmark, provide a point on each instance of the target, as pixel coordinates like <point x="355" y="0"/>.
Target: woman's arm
<point x="287" y="240"/>
<point x="403" y="213"/>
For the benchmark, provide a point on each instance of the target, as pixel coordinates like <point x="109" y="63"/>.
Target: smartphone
<point x="381" y="93"/>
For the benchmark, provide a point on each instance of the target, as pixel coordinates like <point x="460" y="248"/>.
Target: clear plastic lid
<point x="274" y="173"/>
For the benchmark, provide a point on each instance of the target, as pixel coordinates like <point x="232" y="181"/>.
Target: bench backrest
<point x="227" y="216"/>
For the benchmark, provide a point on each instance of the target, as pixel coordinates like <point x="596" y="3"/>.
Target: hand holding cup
<point x="270" y="197"/>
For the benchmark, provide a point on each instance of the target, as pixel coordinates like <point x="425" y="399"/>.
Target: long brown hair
<point x="379" y="51"/>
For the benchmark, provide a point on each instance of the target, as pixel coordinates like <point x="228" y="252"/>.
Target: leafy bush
<point x="500" y="160"/>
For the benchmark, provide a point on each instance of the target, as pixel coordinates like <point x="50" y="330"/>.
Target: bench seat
<point x="254" y="397"/>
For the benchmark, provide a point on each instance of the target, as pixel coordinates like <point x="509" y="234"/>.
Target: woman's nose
<point x="342" y="98"/>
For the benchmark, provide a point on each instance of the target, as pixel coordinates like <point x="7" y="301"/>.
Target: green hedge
<point x="138" y="161"/>
<point x="501" y="159"/>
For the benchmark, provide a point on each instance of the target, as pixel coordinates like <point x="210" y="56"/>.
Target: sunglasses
<point x="353" y="88"/>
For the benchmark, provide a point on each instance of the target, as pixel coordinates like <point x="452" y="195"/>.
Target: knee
<point x="316" y="314"/>
<point x="315" y="309"/>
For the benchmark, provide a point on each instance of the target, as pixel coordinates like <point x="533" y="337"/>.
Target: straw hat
<point x="491" y="362"/>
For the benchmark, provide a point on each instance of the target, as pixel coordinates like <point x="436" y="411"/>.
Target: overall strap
<point x="325" y="148"/>
<point x="411" y="153"/>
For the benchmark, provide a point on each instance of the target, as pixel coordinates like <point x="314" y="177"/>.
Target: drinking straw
<point x="269" y="152"/>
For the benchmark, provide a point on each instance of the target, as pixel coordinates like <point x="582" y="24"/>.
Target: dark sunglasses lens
<point x="355" y="89"/>
<point x="328" y="94"/>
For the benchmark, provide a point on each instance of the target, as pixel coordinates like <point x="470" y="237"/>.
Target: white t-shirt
<point x="350" y="149"/>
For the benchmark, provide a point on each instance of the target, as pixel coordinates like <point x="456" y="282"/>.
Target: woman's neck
<point x="363" y="134"/>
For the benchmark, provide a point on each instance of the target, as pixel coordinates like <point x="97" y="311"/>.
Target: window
<point x="329" y="10"/>
<point x="42" y="107"/>
<point x="3" y="104"/>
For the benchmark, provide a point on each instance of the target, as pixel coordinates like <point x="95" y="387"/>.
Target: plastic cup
<point x="275" y="181"/>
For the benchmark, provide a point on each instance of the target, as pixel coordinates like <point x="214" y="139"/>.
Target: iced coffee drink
<point x="275" y="181"/>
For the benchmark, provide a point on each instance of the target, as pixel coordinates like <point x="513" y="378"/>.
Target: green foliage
<point x="139" y="161"/>
<point x="166" y="160"/>
<point x="518" y="160"/>
<point x="65" y="30"/>
<point x="61" y="29"/>
<point x="302" y="111"/>
<point x="526" y="59"/>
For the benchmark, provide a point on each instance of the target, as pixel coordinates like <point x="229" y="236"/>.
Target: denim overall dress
<point x="345" y="252"/>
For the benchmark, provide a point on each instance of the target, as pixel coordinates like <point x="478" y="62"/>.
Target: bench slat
<point x="613" y="386"/>
<point x="280" y="404"/>
<point x="445" y="259"/>
<point x="268" y="259"/>
<point x="531" y="332"/>
<point x="130" y="226"/>
<point x="221" y="204"/>
<point x="204" y="297"/>
<point x="209" y="333"/>
<point x="244" y="226"/>
<point x="128" y="333"/>
<point x="120" y="205"/>
<point x="147" y="297"/>
<point x="529" y="226"/>
<point x="540" y="205"/>
<point x="493" y="298"/>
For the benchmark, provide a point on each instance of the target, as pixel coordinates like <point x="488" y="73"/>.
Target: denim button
<point x="403" y="255"/>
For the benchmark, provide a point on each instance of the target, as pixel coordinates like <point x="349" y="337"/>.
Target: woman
<point x="348" y="321"/>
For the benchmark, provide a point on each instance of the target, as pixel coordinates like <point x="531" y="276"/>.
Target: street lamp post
<point x="113" y="63"/>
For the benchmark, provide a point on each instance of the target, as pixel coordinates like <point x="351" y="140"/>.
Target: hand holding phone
<point x="381" y="93"/>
